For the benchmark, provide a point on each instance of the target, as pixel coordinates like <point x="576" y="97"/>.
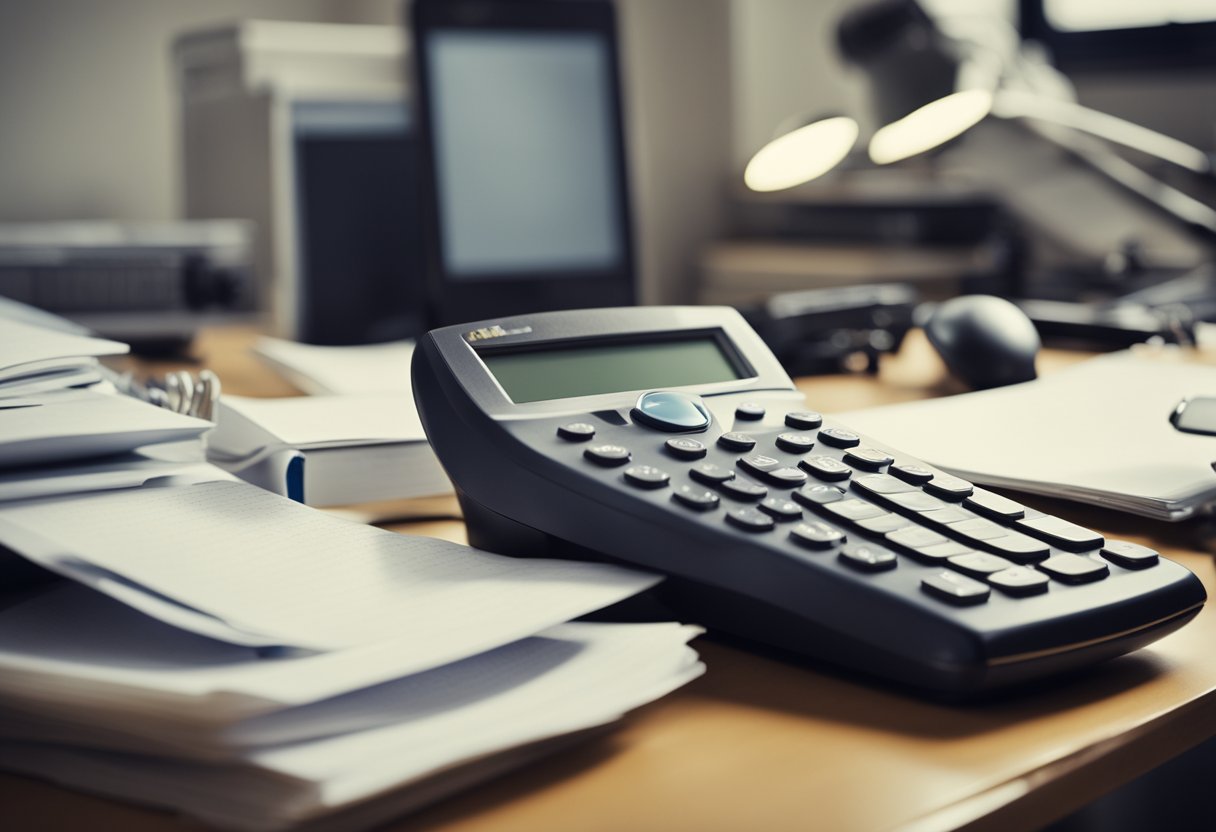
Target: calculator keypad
<point x="863" y="508"/>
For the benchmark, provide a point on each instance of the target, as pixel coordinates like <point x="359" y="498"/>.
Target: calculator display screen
<point x="588" y="370"/>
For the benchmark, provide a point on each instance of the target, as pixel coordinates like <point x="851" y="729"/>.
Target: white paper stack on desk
<point x="55" y="408"/>
<point x="303" y="668"/>
<point x="1097" y="432"/>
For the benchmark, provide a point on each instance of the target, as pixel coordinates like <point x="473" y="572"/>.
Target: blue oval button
<point x="671" y="411"/>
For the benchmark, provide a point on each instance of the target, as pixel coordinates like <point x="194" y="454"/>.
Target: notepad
<point x="231" y="554"/>
<point x="1097" y="432"/>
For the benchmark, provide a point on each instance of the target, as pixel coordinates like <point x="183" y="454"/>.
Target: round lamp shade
<point x="930" y="126"/>
<point x="801" y="155"/>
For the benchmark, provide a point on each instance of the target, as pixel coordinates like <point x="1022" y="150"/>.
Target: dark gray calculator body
<point x="670" y="439"/>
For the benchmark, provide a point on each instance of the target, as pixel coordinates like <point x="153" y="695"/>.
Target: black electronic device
<point x="1196" y="414"/>
<point x="834" y="329"/>
<point x="524" y="176"/>
<point x="672" y="440"/>
<point x="151" y="284"/>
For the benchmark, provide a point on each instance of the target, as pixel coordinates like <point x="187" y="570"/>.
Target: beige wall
<point x="87" y="106"/>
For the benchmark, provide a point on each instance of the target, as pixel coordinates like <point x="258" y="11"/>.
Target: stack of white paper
<point x="44" y="420"/>
<point x="349" y="449"/>
<point x="1098" y="432"/>
<point x="79" y="424"/>
<point x="303" y="667"/>
<point x="35" y="359"/>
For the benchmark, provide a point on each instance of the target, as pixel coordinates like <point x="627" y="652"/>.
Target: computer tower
<point x="305" y="130"/>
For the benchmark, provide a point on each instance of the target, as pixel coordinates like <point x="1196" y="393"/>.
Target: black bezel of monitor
<point x="1173" y="46"/>
<point x="468" y="297"/>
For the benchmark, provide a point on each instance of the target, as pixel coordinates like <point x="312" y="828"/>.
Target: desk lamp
<point x="929" y="87"/>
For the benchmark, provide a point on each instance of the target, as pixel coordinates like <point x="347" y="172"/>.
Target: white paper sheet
<point x="266" y="565"/>
<point x="24" y="347"/>
<point x="75" y="424"/>
<point x="123" y="471"/>
<point x="372" y="368"/>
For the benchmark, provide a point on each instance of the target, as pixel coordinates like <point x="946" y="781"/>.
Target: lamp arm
<point x="1174" y="202"/>
<point x="1014" y="104"/>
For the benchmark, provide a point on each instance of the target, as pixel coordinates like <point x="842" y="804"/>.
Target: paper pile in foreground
<point x="258" y="664"/>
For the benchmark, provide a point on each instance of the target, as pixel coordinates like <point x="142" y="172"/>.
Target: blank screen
<point x="523" y="132"/>
<point x="564" y="373"/>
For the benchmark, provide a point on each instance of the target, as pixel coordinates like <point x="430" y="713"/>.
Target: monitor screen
<point x="565" y="372"/>
<point x="523" y="143"/>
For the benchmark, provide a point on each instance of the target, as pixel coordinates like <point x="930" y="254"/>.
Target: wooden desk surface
<point x="761" y="744"/>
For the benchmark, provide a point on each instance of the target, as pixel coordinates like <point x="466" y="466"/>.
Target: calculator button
<point x="916" y="501"/>
<point x="1130" y="555"/>
<point x="826" y="468"/>
<point x="839" y="438"/>
<point x="795" y="443"/>
<point x="646" y="476"/>
<point x="1059" y="532"/>
<point x="915" y="537"/>
<point x="883" y="523"/>
<point x="1019" y="581"/>
<point x="978" y="530"/>
<point x="818" y="495"/>
<point x="817" y="535"/>
<point x="759" y="463"/>
<point x="700" y="499"/>
<point x="684" y="448"/>
<point x="576" y="431"/>
<point x="743" y="490"/>
<point x="881" y="484"/>
<point x="749" y="412"/>
<point x="939" y="517"/>
<point x="939" y="552"/>
<point x="772" y="470"/>
<point x="749" y="519"/>
<point x="711" y="474"/>
<point x="994" y="505"/>
<point x="1018" y="547"/>
<point x="607" y="455"/>
<point x="671" y="411"/>
<point x="854" y="510"/>
<point x="787" y="477"/>
<point x="951" y="488"/>
<point x="868" y="558"/>
<point x="867" y="458"/>
<point x="909" y="472"/>
<point x="955" y="588"/>
<point x="804" y="419"/>
<point x="781" y="509"/>
<point x="735" y="441"/>
<point x="979" y="564"/>
<point x="1074" y="569"/>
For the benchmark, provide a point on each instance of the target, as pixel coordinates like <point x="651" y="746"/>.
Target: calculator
<point x="670" y="439"/>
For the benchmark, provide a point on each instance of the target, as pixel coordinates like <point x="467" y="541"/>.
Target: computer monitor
<point x="524" y="162"/>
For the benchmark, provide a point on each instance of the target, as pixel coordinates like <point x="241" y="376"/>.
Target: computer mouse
<point x="986" y="341"/>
